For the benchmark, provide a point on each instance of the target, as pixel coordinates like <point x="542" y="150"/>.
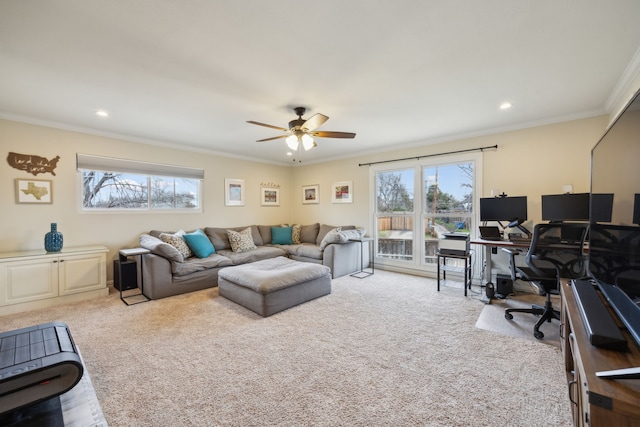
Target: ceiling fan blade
<point x="314" y="122"/>
<point x="266" y="125"/>
<point x="271" y="139"/>
<point x="329" y="134"/>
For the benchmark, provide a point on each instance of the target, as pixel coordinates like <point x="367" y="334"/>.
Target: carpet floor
<point x="388" y="350"/>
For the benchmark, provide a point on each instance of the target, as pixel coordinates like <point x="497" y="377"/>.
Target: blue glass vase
<point x="53" y="239"/>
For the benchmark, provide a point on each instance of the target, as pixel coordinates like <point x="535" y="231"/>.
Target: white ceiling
<point x="398" y="73"/>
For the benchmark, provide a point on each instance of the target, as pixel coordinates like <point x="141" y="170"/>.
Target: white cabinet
<point x="36" y="279"/>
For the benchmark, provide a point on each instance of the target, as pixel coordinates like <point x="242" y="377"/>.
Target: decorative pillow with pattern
<point x="241" y="241"/>
<point x="177" y="241"/>
<point x="295" y="233"/>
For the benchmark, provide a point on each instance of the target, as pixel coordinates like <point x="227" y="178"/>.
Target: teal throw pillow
<point x="199" y="243"/>
<point x="281" y="236"/>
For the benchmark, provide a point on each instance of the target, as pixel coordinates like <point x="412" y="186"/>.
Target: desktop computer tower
<point x="125" y="275"/>
<point x="504" y="285"/>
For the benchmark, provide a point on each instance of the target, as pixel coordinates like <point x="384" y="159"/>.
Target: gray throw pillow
<point x="346" y="235"/>
<point x="324" y="229"/>
<point x="333" y="236"/>
<point x="309" y="233"/>
<point x="158" y="247"/>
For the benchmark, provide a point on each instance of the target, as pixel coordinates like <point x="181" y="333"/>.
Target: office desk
<point x="489" y="244"/>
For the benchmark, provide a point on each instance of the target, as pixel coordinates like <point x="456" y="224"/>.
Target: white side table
<point x="124" y="254"/>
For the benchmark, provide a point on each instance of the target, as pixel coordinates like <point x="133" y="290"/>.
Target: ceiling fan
<point x="301" y="131"/>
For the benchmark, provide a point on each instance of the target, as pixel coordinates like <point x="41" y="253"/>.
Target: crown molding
<point x="623" y="91"/>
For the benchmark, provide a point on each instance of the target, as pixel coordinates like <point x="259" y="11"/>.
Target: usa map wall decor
<point x="32" y="163"/>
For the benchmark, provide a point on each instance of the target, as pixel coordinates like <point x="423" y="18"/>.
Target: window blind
<point x="111" y="164"/>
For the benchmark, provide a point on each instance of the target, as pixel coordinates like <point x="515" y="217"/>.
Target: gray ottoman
<point x="273" y="285"/>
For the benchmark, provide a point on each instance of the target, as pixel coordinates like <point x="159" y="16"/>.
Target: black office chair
<point x="556" y="252"/>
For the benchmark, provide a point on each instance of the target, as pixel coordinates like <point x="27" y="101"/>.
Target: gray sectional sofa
<point x="166" y="272"/>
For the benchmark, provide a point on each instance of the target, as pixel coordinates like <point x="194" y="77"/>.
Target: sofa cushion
<point x="165" y="250"/>
<point x="220" y="238"/>
<point x="241" y="241"/>
<point x="281" y="236"/>
<point x="296" y="229"/>
<point x="260" y="253"/>
<point x="346" y="235"/>
<point x="309" y="233"/>
<point x="177" y="241"/>
<point x="158" y="247"/>
<point x="265" y="233"/>
<point x="157" y="233"/>
<point x="306" y="250"/>
<point x="324" y="229"/>
<point x="194" y="264"/>
<point x="199" y="243"/>
<point x="332" y="236"/>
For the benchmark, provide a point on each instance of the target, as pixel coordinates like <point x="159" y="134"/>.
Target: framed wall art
<point x="234" y="192"/>
<point x="310" y="194"/>
<point x="269" y="196"/>
<point x="37" y="191"/>
<point x="342" y="192"/>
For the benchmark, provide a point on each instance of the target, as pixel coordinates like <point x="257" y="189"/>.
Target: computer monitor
<point x="503" y="208"/>
<point x="565" y="207"/>
<point x="601" y="207"/>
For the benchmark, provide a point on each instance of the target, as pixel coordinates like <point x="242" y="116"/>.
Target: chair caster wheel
<point x="508" y="316"/>
<point x="539" y="335"/>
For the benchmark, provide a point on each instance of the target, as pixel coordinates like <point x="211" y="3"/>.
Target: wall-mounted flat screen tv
<point x="614" y="249"/>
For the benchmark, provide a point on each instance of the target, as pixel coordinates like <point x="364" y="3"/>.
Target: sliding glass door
<point x="416" y="203"/>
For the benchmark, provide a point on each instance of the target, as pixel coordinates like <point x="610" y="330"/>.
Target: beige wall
<point x="23" y="226"/>
<point x="527" y="162"/>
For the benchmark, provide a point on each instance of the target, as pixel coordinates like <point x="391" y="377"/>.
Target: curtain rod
<point x="430" y="155"/>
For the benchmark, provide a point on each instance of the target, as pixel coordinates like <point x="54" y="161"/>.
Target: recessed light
<point x="102" y="113"/>
<point x="505" y="105"/>
<point x="289" y="153"/>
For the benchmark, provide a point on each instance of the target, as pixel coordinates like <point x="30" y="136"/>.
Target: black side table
<point x="466" y="270"/>
<point x="364" y="272"/>
<point x="124" y="255"/>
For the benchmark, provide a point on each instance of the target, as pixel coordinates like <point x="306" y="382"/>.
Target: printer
<point x="455" y="244"/>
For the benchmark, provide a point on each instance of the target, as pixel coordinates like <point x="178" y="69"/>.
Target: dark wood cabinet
<point x="595" y="401"/>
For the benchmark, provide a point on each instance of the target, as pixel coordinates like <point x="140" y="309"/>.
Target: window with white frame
<point x="109" y="184"/>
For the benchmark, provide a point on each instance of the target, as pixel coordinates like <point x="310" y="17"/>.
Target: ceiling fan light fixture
<point x="307" y="142"/>
<point x="292" y="142"/>
<point x="301" y="132"/>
